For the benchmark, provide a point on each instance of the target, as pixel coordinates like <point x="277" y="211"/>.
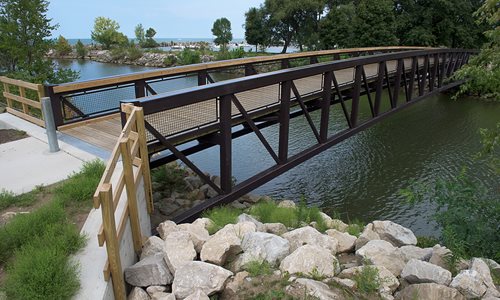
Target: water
<point x="362" y="176"/>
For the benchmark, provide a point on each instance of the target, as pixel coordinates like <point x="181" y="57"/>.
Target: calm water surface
<point x="362" y="176"/>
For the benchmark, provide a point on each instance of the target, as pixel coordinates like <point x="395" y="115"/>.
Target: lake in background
<point x="362" y="176"/>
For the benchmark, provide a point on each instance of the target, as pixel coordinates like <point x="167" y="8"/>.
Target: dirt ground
<point x="9" y="135"/>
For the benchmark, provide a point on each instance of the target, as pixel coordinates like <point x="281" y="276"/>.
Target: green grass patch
<point x="221" y="216"/>
<point x="8" y="199"/>
<point x="270" y="212"/>
<point x="168" y="179"/>
<point x="426" y="241"/>
<point x="368" y="280"/>
<point x="355" y="227"/>
<point x="257" y="268"/>
<point x="272" y="295"/>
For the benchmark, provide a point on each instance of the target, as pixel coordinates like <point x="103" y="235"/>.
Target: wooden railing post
<point x="112" y="245"/>
<point x="128" y="175"/>
<point x="143" y="152"/>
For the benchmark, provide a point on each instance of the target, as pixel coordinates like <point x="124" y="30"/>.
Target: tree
<point x="257" y="31"/>
<point x="336" y="29"/>
<point x="106" y="33"/>
<point x="222" y="31"/>
<point x="150" y="42"/>
<point x="24" y="40"/>
<point x="81" y="51"/>
<point x="139" y="34"/>
<point x="62" y="46"/>
<point x="374" y="24"/>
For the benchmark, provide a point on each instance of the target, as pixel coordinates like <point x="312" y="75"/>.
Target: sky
<point x="170" y="18"/>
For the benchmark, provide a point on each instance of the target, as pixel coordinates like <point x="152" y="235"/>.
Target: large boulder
<point x="417" y="271"/>
<point x="345" y="240"/>
<point x="165" y="228"/>
<point x="308" y="288"/>
<point x="261" y="246"/>
<point x="367" y="235"/>
<point x="429" y="291"/>
<point x="199" y="235"/>
<point x="275" y="228"/>
<point x="440" y="256"/>
<point x="203" y="222"/>
<point x="287" y="204"/>
<point x="470" y="284"/>
<point x="247" y="218"/>
<point x="387" y="280"/>
<point x="152" y="270"/>
<point x="382" y="253"/>
<point x="136" y="294"/>
<point x="194" y="275"/>
<point x="310" y="259"/>
<point x="310" y="236"/>
<point x="226" y="243"/>
<point x="480" y="266"/>
<point x="179" y="249"/>
<point x="414" y="252"/>
<point x="198" y="295"/>
<point x="394" y="233"/>
<point x="153" y="245"/>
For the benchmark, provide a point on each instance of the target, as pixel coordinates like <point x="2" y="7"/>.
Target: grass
<point x="257" y="268"/>
<point x="169" y="178"/>
<point x="272" y="295"/>
<point x="368" y="280"/>
<point x="355" y="227"/>
<point x="221" y="216"/>
<point x="426" y="241"/>
<point x="35" y="247"/>
<point x="8" y="199"/>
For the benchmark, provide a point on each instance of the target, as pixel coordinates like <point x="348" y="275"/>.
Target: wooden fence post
<point x="143" y="150"/>
<point x="112" y="245"/>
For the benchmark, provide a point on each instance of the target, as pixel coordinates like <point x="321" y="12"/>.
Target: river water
<point x="361" y="177"/>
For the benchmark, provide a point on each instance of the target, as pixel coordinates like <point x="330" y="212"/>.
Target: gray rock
<point x="275" y="228"/>
<point x="470" y="284"/>
<point x="203" y="222"/>
<point x="153" y="289"/>
<point x="439" y="256"/>
<point x="193" y="182"/>
<point x="136" y="294"/>
<point x="165" y="228"/>
<point x="162" y="296"/>
<point x="314" y="289"/>
<point x="382" y="253"/>
<point x="482" y="268"/>
<point x="417" y="271"/>
<point x="198" y="234"/>
<point x="286" y="203"/>
<point x="198" y="295"/>
<point x="153" y="245"/>
<point x="387" y="279"/>
<point x="310" y="236"/>
<point x="247" y="218"/>
<point x="493" y="265"/>
<point x="195" y="275"/>
<point x="429" y="291"/>
<point x="226" y="243"/>
<point x="394" y="233"/>
<point x="234" y="285"/>
<point x="367" y="235"/>
<point x="238" y="205"/>
<point x="345" y="240"/>
<point x="261" y="246"/>
<point x="309" y="259"/>
<point x="348" y="283"/>
<point x="152" y="270"/>
<point x="179" y="249"/>
<point x="337" y="225"/>
<point x="414" y="252"/>
<point x="208" y="191"/>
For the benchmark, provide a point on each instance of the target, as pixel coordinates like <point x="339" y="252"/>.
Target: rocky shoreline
<point x="186" y="262"/>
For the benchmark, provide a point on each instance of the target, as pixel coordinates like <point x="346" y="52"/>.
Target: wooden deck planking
<point x="104" y="133"/>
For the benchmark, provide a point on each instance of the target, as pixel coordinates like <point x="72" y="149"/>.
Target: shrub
<point x="169" y="178"/>
<point x="170" y="60"/>
<point x="221" y="216"/>
<point x="426" y="241"/>
<point x="257" y="268"/>
<point x="118" y="53"/>
<point x="355" y="227"/>
<point x="134" y="53"/>
<point x="189" y="57"/>
<point x="8" y="199"/>
<point x="367" y="281"/>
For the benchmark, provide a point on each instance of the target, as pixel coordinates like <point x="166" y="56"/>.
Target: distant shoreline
<point x="89" y="41"/>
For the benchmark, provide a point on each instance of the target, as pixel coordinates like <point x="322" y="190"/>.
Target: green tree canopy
<point x="374" y="24"/>
<point x="62" y="46"/>
<point x="106" y="33"/>
<point x="257" y="31"/>
<point x="81" y="51"/>
<point x="222" y="32"/>
<point x="336" y="29"/>
<point x="140" y="36"/>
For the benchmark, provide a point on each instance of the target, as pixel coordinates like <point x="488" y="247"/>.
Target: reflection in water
<point x="361" y="177"/>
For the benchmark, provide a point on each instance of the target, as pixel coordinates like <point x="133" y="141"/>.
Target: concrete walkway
<point x="27" y="163"/>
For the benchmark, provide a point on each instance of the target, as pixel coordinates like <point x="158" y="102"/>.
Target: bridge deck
<point x="103" y="132"/>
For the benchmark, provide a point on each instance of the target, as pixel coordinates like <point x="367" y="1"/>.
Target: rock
<point x="439" y="255"/>
<point x="394" y="233"/>
<point x="310" y="236"/>
<point x="469" y="283"/>
<point x="153" y="289"/>
<point x="367" y="235"/>
<point x="382" y="253"/>
<point x="196" y="195"/>
<point x="414" y="252"/>
<point x="261" y="246"/>
<point x="152" y="270"/>
<point x="482" y="268"/>
<point x="193" y="182"/>
<point x="387" y="279"/>
<point x="309" y="259"/>
<point x="337" y="224"/>
<point x="165" y="228"/>
<point x="429" y="291"/>
<point x="493" y="265"/>
<point x="203" y="222"/>
<point x="346" y="241"/>
<point x="136" y="294"/>
<point x="179" y="249"/>
<point x="238" y="205"/>
<point x="198" y="295"/>
<point x="226" y="243"/>
<point x="233" y="287"/>
<point x="348" y="283"/>
<point x="303" y="287"/>
<point x="275" y="228"/>
<point x="208" y="191"/>
<point x="417" y="271"/>
<point x="194" y="275"/>
<point x="153" y="245"/>
<point x="286" y="203"/>
<point x="198" y="234"/>
<point x="162" y="296"/>
<point x="247" y="218"/>
<point x="326" y="218"/>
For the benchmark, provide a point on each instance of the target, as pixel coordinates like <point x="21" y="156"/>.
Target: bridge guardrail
<point x="77" y="101"/>
<point x="426" y="72"/>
